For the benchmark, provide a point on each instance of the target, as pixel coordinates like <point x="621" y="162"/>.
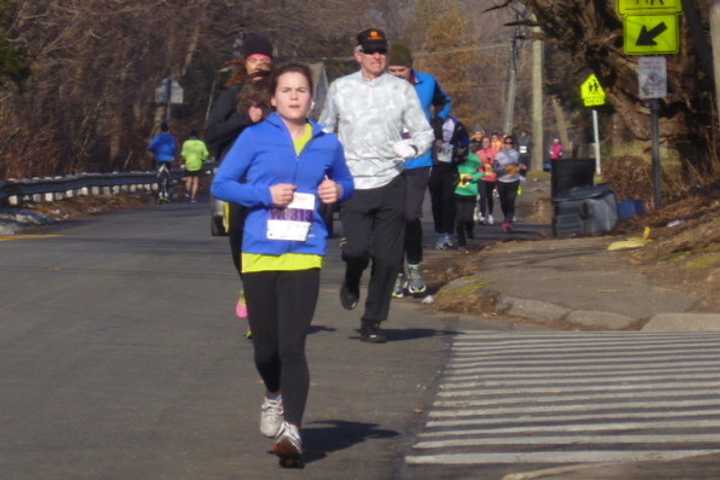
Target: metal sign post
<point x="652" y="27"/>
<point x="652" y="80"/>
<point x="596" y="132"/>
<point x="593" y="95"/>
<point x="168" y="97"/>
<point x="655" y="132"/>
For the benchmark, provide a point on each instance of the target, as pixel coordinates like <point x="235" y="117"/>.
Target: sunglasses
<point x="372" y="51"/>
<point x="508" y="142"/>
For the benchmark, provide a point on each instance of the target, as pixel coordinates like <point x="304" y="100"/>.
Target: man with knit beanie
<point x="435" y="104"/>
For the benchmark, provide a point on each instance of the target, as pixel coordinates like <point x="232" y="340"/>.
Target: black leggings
<point x="238" y="215"/>
<point x="443" y="180"/>
<point x="464" y="207"/>
<point x="486" y="197"/>
<point x="508" y="193"/>
<point x="281" y="306"/>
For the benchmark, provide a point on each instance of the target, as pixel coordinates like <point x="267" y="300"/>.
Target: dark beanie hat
<point x="400" y="55"/>
<point x="253" y="43"/>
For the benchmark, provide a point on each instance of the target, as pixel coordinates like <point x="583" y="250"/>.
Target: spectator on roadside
<point x="435" y="103"/>
<point x="557" y="150"/>
<point x="507" y="167"/>
<point x="284" y="243"/>
<point x="372" y="111"/>
<point x="194" y="153"/>
<point x="451" y="148"/>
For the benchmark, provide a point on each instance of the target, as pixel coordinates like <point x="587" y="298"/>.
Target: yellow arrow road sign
<point x="648" y="7"/>
<point x="592" y="92"/>
<point x="651" y="34"/>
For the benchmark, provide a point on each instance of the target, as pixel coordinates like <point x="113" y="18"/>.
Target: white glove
<point x="404" y="150"/>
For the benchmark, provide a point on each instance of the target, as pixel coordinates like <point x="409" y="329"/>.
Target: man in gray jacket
<point x="370" y="110"/>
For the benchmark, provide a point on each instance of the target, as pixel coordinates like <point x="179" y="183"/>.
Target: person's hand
<point x="255" y="114"/>
<point x="282" y="194"/>
<point x="404" y="150"/>
<point x="329" y="191"/>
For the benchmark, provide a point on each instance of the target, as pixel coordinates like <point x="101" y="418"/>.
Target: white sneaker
<point x="478" y="216"/>
<point x="490" y="220"/>
<point x="399" y="288"/>
<point x="416" y="284"/>
<point x="271" y="416"/>
<point x="288" y="446"/>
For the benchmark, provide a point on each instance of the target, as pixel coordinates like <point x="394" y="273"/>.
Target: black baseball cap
<point x="372" y="39"/>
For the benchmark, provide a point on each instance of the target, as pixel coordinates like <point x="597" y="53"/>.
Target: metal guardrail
<point x="48" y="189"/>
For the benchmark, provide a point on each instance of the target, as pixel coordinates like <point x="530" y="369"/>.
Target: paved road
<point x="120" y="358"/>
<point x="525" y="401"/>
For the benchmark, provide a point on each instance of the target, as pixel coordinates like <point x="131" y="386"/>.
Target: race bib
<point x="444" y="153"/>
<point x="293" y="222"/>
<point x="523" y="148"/>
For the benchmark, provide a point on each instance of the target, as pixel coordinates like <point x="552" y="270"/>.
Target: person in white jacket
<point x="380" y="124"/>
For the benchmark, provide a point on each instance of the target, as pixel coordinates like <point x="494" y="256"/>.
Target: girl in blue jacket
<point x="288" y="165"/>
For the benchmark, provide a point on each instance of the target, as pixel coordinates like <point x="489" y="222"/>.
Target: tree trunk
<point x="561" y="123"/>
<point x="715" y="31"/>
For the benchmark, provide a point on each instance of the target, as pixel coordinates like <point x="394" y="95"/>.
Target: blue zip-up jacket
<point x="263" y="156"/>
<point x="431" y="95"/>
<point x="163" y="147"/>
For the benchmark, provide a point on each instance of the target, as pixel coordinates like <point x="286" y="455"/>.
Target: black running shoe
<point x="348" y="298"/>
<point x="372" y="334"/>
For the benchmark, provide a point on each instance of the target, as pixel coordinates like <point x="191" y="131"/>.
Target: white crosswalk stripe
<point x="544" y="398"/>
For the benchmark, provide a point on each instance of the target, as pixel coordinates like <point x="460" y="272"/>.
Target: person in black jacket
<point x="244" y="102"/>
<point x="451" y="148"/>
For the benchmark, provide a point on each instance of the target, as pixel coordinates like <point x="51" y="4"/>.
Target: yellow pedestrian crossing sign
<point x="592" y="92"/>
<point x="649" y="7"/>
<point x="652" y="34"/>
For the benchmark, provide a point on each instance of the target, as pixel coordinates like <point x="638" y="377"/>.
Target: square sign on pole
<point x="652" y="76"/>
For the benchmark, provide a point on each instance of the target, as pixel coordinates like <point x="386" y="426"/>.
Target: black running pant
<point x="416" y="183"/>
<point x="238" y="215"/>
<point x="508" y="193"/>
<point x="280" y="309"/>
<point x="373" y="222"/>
<point x="464" y="207"/>
<point x="443" y="181"/>
<point x="487" y="202"/>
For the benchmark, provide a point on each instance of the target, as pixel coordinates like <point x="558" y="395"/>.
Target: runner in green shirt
<point x="469" y="172"/>
<point x="194" y="153"/>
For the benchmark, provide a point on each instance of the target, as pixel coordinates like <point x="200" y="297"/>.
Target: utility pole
<point x="715" y="32"/>
<point x="511" y="88"/>
<point x="538" y="134"/>
<point x="519" y="33"/>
